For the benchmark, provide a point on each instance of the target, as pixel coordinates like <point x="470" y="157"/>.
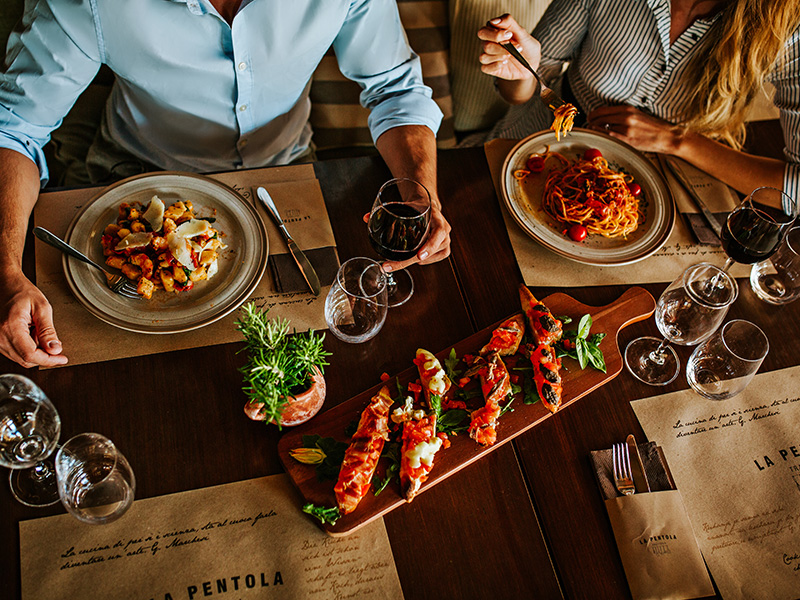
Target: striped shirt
<point x="619" y="53"/>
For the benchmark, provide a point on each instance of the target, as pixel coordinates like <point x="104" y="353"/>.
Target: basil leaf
<point x="580" y="347"/>
<point x="451" y="421"/>
<point x="584" y="325"/>
<point x="596" y="357"/>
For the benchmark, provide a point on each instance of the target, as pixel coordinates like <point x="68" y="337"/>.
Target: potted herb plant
<point x="283" y="376"/>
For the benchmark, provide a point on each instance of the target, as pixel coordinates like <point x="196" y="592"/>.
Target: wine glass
<point x="724" y="365"/>
<point x="29" y="432"/>
<point x="755" y="228"/>
<point x="398" y="226"/>
<point x="95" y="481"/>
<point x="687" y="312"/>
<point x="356" y="305"/>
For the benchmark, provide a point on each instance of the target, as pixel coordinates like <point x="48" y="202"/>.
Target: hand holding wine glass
<point x="398" y="226"/>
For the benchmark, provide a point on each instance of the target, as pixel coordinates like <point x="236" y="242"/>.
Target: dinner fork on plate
<point x="117" y="283"/>
<point x="623" y="478"/>
<point x="547" y="95"/>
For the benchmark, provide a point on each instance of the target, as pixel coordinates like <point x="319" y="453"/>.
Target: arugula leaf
<point x="531" y="394"/>
<point x="328" y="469"/>
<point x="391" y="451"/>
<point x="436" y="405"/>
<point x="450" y="364"/>
<point x="565" y="319"/>
<point x="451" y="421"/>
<point x="324" y="514"/>
<point x="506" y="408"/>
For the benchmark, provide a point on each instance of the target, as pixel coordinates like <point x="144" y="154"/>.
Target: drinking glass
<point x="755" y="228"/>
<point x="777" y="280"/>
<point x="95" y="481"/>
<point x="687" y="312"/>
<point x="356" y="305"/>
<point x="724" y="365"/>
<point x="398" y="226"/>
<point x="29" y="432"/>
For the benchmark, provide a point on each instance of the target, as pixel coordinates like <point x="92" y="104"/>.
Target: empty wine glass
<point x="687" y="312"/>
<point x="356" y="305"/>
<point x="29" y="432"/>
<point x="398" y="226"/>
<point x="95" y="481"/>
<point x="777" y="280"/>
<point x="724" y="365"/>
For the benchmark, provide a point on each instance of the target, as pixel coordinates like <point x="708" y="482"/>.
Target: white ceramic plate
<point x="241" y="263"/>
<point x="523" y="199"/>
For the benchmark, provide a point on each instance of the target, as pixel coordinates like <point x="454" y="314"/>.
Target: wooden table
<point x="526" y="521"/>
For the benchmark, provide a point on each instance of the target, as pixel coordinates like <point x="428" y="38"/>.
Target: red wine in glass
<point x="398" y="226"/>
<point x="755" y="229"/>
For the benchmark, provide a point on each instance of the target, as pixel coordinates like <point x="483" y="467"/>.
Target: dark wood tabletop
<point x="525" y="521"/>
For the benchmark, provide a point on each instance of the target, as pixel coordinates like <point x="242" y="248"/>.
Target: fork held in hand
<point x="548" y="96"/>
<point x="117" y="283"/>
<point x="622" y="470"/>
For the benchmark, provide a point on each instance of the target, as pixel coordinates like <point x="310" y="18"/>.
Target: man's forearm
<point x="410" y="151"/>
<point x="19" y="189"/>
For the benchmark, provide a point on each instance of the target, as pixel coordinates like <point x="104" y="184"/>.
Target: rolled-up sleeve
<point x="787" y="99"/>
<point x="46" y="68"/>
<point x="372" y="49"/>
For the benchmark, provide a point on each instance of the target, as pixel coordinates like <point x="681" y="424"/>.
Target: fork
<point x="548" y="96"/>
<point x="117" y="283"/>
<point x="622" y="470"/>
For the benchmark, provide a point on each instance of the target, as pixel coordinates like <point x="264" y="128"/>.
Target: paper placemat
<point x="541" y="267"/>
<point x="87" y="339"/>
<point x="242" y="541"/>
<point x="737" y="465"/>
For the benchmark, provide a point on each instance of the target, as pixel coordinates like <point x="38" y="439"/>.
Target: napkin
<point x="654" y="537"/>
<point x="287" y="274"/>
<point x="718" y="197"/>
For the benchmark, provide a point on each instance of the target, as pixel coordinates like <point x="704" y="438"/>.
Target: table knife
<point x="308" y="272"/>
<point x="639" y="476"/>
<point x="712" y="221"/>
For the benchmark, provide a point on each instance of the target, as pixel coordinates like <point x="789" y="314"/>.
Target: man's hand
<point x="27" y="335"/>
<point x="436" y="246"/>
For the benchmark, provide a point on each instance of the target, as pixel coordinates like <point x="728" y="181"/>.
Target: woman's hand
<point x="642" y="131"/>
<point x="495" y="60"/>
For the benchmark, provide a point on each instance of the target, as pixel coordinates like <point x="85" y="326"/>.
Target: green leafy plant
<point x="581" y="346"/>
<point x="279" y="363"/>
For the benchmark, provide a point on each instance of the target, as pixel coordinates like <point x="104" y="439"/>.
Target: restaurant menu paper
<point x="541" y="267"/>
<point x="239" y="541"/>
<point x="87" y="339"/>
<point x="737" y="465"/>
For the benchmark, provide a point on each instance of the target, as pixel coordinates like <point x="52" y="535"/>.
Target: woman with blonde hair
<point x="669" y="76"/>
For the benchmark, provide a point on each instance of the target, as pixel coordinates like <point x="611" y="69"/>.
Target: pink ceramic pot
<point x="300" y="408"/>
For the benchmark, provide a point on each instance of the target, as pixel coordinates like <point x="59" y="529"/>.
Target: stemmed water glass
<point x="29" y="432"/>
<point x="687" y="312"/>
<point x="755" y="228"/>
<point x="398" y="226"/>
<point x="95" y="481"/>
<point x="355" y="308"/>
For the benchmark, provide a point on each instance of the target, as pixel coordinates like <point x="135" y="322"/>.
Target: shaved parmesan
<point x="192" y="228"/>
<point x="181" y="249"/>
<point x="134" y="240"/>
<point x="212" y="269"/>
<point x="155" y="213"/>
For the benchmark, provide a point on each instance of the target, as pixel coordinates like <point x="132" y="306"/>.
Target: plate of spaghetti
<point x="588" y="197"/>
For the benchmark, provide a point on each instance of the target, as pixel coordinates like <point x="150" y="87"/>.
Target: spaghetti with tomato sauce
<point x="588" y="196"/>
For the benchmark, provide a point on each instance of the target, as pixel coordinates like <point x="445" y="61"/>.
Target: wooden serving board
<point x="634" y="305"/>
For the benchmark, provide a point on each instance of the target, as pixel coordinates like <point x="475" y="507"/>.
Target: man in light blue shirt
<point x="201" y="85"/>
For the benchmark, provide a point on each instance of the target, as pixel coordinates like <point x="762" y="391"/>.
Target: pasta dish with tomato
<point x="587" y="193"/>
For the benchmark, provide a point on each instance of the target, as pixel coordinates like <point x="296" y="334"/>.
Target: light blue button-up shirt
<point x="195" y="94"/>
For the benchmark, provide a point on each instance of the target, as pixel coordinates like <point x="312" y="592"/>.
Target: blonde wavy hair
<point x="727" y="73"/>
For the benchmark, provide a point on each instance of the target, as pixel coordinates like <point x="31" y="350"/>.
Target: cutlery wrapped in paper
<point x="655" y="540"/>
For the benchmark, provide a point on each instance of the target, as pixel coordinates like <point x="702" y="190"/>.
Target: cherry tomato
<point x="592" y="153"/>
<point x="577" y="232"/>
<point x="635" y="189"/>
<point x="535" y="164"/>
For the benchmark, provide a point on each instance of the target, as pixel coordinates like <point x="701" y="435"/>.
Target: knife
<point x="639" y="477"/>
<point x="308" y="272"/>
<point x="676" y="169"/>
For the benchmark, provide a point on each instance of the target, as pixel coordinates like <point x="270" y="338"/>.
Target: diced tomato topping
<point x="385" y="376"/>
<point x="414" y="387"/>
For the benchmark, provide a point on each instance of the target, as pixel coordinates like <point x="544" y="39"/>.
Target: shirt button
<point x="243" y="143"/>
<point x="242" y="66"/>
<point x="243" y="108"/>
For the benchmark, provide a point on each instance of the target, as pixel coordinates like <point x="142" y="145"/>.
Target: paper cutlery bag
<point x="657" y="545"/>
